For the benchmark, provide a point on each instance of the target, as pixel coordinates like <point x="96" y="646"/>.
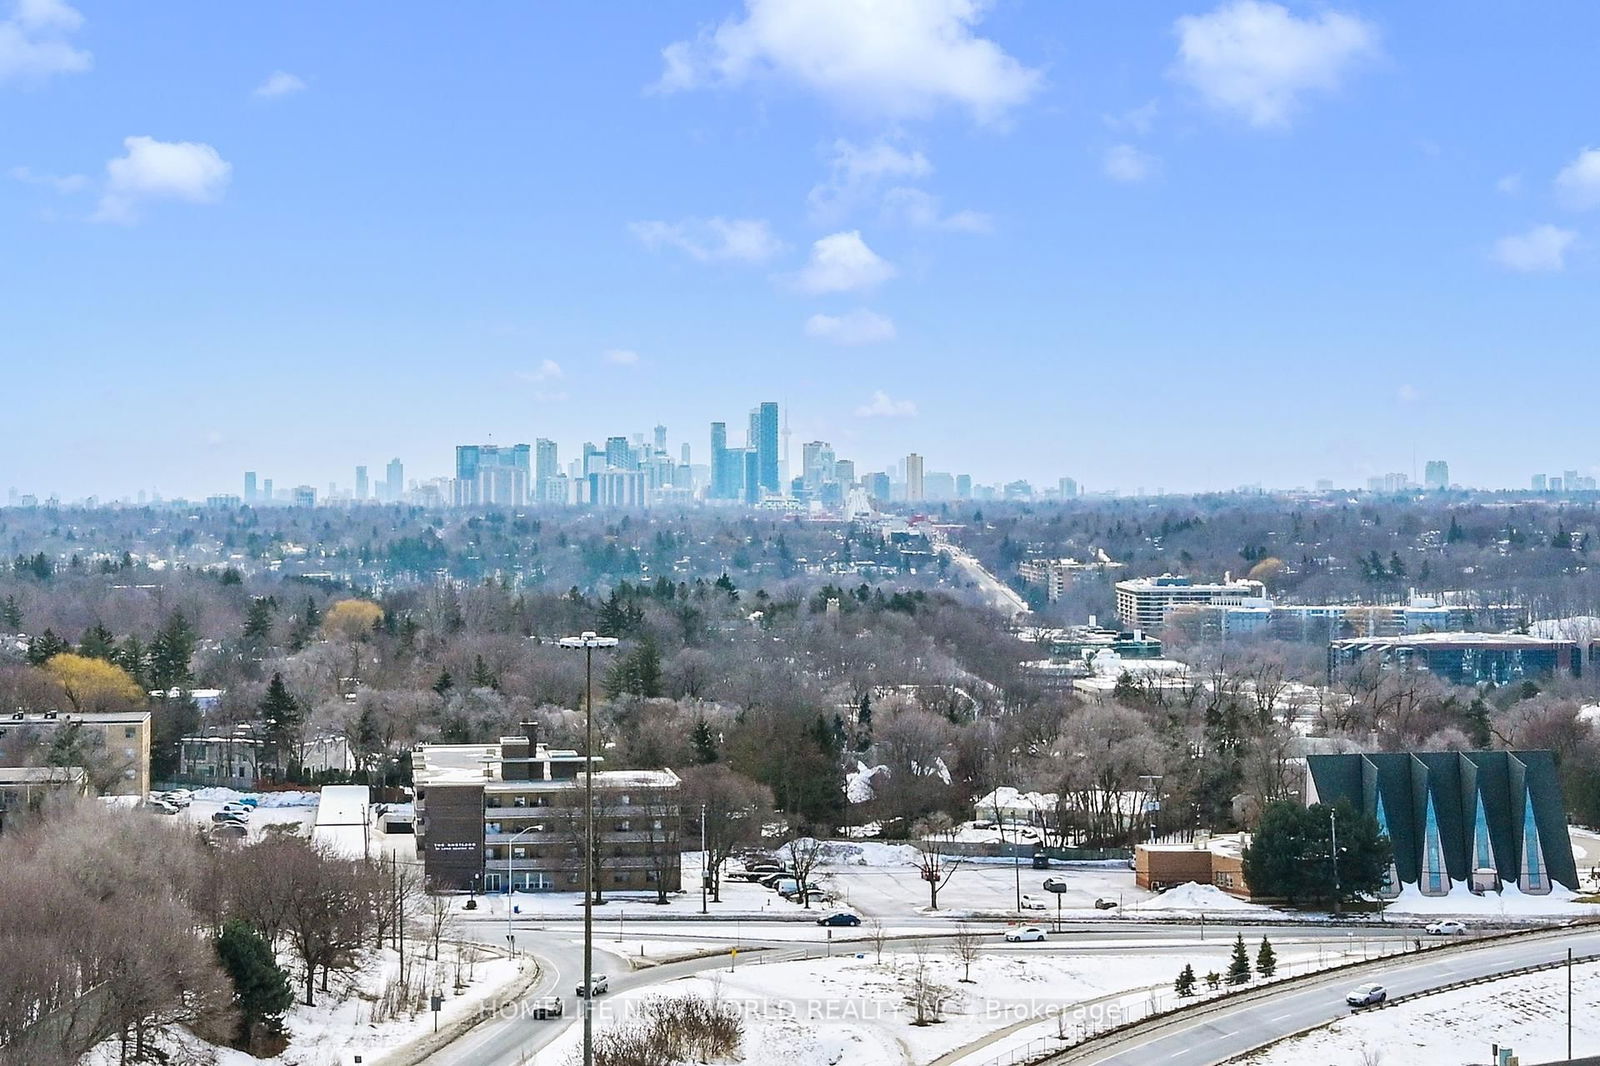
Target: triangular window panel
<point x="1532" y="878"/>
<point x="1435" y="878"/>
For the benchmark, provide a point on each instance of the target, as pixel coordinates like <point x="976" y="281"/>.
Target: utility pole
<point x="1569" y="1003"/>
<point x="705" y="856"/>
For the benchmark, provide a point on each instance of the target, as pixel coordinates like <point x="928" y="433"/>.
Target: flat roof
<point x="1451" y="640"/>
<point x="62" y="718"/>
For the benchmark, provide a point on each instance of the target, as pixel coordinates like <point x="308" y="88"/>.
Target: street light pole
<point x="588" y="641"/>
<point x="511" y="940"/>
<point x="705" y="871"/>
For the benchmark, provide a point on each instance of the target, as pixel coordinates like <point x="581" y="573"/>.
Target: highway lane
<point x="1214" y="1036"/>
<point x="512" y="1038"/>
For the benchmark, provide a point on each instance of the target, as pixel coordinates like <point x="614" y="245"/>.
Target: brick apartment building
<point x="484" y="810"/>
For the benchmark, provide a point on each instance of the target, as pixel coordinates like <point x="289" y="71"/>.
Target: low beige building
<point x="113" y="748"/>
<point x="1207" y="860"/>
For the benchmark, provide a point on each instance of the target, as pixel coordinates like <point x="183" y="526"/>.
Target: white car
<point x="1366" y="996"/>
<point x="598" y="987"/>
<point x="237" y="809"/>
<point x="1026" y="934"/>
<point x="1032" y="903"/>
<point x="162" y="805"/>
<point x="1446" y="929"/>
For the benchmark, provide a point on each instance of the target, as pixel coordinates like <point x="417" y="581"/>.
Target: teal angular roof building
<point x="1484" y="819"/>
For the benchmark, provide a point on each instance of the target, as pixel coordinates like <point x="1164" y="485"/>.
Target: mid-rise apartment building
<point x="114" y="747"/>
<point x="1143" y="602"/>
<point x="489" y="813"/>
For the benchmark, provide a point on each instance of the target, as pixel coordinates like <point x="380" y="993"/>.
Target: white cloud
<point x="547" y="371"/>
<point x="161" y="170"/>
<point x="884" y="58"/>
<point x="1138" y="120"/>
<point x="279" y="83"/>
<point x="842" y="262"/>
<point x="34" y="45"/>
<point x="620" y="357"/>
<point x="856" y="327"/>
<point x="1510" y="185"/>
<point x="882" y="407"/>
<point x="856" y="171"/>
<point x="1578" y="183"/>
<point x="1543" y="249"/>
<point x="1256" y="59"/>
<point x="920" y="209"/>
<point x="66" y="183"/>
<point x="711" y="240"/>
<point x="1125" y="163"/>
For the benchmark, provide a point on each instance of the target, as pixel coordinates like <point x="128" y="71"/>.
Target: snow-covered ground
<point x="852" y="1009"/>
<point x="1527" y="1014"/>
<point x="273" y="808"/>
<point x="355" y="1017"/>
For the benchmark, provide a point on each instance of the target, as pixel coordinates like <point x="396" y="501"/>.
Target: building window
<point x="127" y="733"/>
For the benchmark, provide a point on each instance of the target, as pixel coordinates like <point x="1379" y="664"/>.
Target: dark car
<point x="839" y="918"/>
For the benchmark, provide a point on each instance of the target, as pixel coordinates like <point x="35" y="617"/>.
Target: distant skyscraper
<point x="490" y="474"/>
<point x="305" y="496"/>
<point x="844" y="472"/>
<point x="878" y="486"/>
<point x="361" y="484"/>
<point x="1069" y="489"/>
<point x="764" y="441"/>
<point x="816" y="468"/>
<point x="937" y="485"/>
<point x="963" y="486"/>
<point x="719" y="462"/>
<point x="752" y="476"/>
<point x="683" y="454"/>
<point x="1538" y="483"/>
<point x="266" y="489"/>
<point x="1436" y="475"/>
<point x="619" y="455"/>
<point x="661" y="438"/>
<point x="914" y="486"/>
<point x="395" y="480"/>
<point x="249" y="486"/>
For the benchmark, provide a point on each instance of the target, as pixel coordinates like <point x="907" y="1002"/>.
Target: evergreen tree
<point x="1266" y="959"/>
<point x="311" y="618"/>
<point x="443" y="684"/>
<point x="647" y="668"/>
<point x="613" y="615"/>
<point x="1184" y="985"/>
<point x="97" y="643"/>
<point x="1239" y="965"/>
<point x="482" y="676"/>
<point x="46" y="647"/>
<point x="1289" y="855"/>
<point x="281" y="719"/>
<point x="705" y="743"/>
<point x="258" y="622"/>
<point x="11" y="613"/>
<point x="260" y="988"/>
<point x="1454" y="535"/>
<point x="864" y="714"/>
<point x="171" y="652"/>
<point x="131" y="656"/>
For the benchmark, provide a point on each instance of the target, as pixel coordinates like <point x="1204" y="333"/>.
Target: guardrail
<point x="1484" y="980"/>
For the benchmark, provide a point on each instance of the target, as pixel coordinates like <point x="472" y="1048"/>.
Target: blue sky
<point x="1176" y="245"/>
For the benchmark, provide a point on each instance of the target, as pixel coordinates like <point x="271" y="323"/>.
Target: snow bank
<point x="264" y="800"/>
<point x="1196" y="897"/>
<point x="1461" y="901"/>
<point x="858" y="782"/>
<point x="870" y="853"/>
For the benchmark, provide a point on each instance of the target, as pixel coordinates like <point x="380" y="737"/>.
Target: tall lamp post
<point x="511" y="940"/>
<point x="588" y="641"/>
<point x="1333" y="848"/>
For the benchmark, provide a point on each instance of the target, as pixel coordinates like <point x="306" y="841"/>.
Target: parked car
<point x="1447" y="928"/>
<point x="250" y="801"/>
<point x="839" y="918"/>
<point x="811" y="895"/>
<point x="1055" y="884"/>
<point x="177" y="797"/>
<point x="749" y="876"/>
<point x="1025" y="934"/>
<point x="771" y="866"/>
<point x="599" y="986"/>
<point x="1366" y="995"/>
<point x="236" y="808"/>
<point x="162" y="806"/>
<point x="547" y="1007"/>
<point x="231" y="816"/>
<point x="229" y="831"/>
<point x="1032" y="903"/>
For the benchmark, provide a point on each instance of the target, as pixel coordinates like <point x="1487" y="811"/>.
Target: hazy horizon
<point x="1183" y="246"/>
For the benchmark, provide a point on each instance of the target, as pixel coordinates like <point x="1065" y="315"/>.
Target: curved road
<point x="510" y="1039"/>
<point x="1206" y="1037"/>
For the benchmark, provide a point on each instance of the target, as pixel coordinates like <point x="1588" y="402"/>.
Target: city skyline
<point x="1012" y="233"/>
